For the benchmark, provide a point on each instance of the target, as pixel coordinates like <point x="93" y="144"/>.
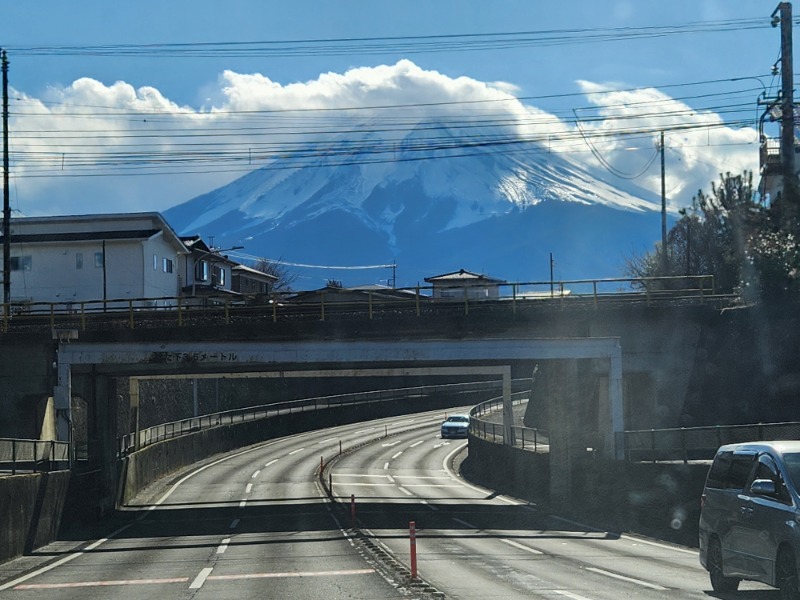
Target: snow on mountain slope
<point x="393" y="200"/>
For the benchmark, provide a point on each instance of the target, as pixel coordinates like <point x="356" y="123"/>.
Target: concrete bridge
<point x="601" y="369"/>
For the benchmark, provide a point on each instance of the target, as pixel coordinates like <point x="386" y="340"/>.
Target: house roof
<point x="354" y="293"/>
<point x="82" y="236"/>
<point x="463" y="276"/>
<point x="112" y="226"/>
<point x="253" y="273"/>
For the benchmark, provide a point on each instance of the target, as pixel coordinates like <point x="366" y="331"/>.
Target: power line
<point x="459" y="42"/>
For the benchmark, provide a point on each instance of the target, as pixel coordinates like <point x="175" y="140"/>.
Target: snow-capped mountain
<point x="499" y="207"/>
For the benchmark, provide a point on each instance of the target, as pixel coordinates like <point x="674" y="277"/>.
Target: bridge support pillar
<point x="62" y="396"/>
<point x="562" y="394"/>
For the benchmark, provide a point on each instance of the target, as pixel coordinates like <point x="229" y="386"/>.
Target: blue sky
<point x="200" y="83"/>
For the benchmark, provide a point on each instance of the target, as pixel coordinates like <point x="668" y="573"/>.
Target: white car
<point x="750" y="514"/>
<point x="455" y="426"/>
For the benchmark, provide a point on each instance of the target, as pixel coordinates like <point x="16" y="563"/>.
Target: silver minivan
<point x="750" y="516"/>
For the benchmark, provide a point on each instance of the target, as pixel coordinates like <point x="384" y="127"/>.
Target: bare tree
<point x="285" y="278"/>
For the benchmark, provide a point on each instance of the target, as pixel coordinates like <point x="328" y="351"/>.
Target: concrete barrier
<point x="140" y="469"/>
<point x="660" y="500"/>
<point x="31" y="506"/>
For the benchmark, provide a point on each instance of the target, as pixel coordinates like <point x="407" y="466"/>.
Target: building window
<point x="99" y="260"/>
<point x="219" y="276"/>
<point x="19" y="263"/>
<point x="79" y="260"/>
<point x="167" y="265"/>
<point x="201" y="272"/>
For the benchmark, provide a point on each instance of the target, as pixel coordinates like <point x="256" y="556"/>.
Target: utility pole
<point x="783" y="15"/>
<point x="6" y="203"/>
<point x="664" y="256"/>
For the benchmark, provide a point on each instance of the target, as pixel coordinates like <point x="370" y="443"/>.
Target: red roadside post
<point x="412" y="536"/>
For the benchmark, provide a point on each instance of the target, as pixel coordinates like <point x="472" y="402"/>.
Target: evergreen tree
<point x="731" y="235"/>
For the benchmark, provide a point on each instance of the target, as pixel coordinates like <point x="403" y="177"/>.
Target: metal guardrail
<point x="524" y="437"/>
<point x="151" y="435"/>
<point x="699" y="443"/>
<point x="130" y="313"/>
<point x="33" y="455"/>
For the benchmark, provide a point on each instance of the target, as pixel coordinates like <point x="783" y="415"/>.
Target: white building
<point x="462" y="283"/>
<point x="69" y="259"/>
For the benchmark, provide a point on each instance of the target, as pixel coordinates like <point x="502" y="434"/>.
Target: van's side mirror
<point x="763" y="487"/>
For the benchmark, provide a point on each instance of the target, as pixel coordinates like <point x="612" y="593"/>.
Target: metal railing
<point x="33" y="455"/>
<point x="174" y="429"/>
<point x="699" y="443"/>
<point x="524" y="437"/>
<point x="131" y="313"/>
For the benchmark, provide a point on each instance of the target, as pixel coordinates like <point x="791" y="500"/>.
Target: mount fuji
<point x="491" y="203"/>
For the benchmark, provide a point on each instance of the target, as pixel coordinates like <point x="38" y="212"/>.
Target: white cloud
<point x="699" y="145"/>
<point x="91" y="147"/>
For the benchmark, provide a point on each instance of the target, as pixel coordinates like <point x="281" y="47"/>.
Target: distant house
<point x="334" y="294"/>
<point x="68" y="259"/>
<point x="252" y="282"/>
<point x="461" y="284"/>
<point x="207" y="271"/>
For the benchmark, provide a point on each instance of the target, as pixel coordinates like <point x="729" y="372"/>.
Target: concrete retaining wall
<point x="142" y="468"/>
<point x="658" y="500"/>
<point x="31" y="506"/>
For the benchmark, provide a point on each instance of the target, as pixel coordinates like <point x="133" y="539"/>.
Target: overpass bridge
<point x="605" y="364"/>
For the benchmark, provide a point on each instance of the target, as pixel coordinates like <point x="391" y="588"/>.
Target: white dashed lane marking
<point x="200" y="579"/>
<point x="81" y="584"/>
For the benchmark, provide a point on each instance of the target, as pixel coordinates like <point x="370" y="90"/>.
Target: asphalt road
<point x="257" y="523"/>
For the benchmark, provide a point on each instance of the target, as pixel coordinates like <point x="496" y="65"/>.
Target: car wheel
<point x="786" y="575"/>
<point x="719" y="582"/>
